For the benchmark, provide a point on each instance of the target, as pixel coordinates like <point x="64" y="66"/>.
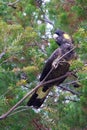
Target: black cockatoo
<point x="59" y="68"/>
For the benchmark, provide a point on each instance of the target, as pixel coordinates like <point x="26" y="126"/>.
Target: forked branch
<point x="39" y="85"/>
<point x="29" y="93"/>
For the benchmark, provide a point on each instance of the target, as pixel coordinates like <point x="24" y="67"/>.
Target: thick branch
<point x="18" y="103"/>
<point x="29" y="93"/>
<point x="41" y="83"/>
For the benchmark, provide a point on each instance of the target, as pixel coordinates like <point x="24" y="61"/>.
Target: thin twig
<point x="75" y="81"/>
<point x="23" y="109"/>
<point x="2" y="54"/>
<point x="5" y="93"/>
<point x="13" y="3"/>
<point x="48" y="21"/>
<point x="58" y="59"/>
<point x="45" y="18"/>
<point x="20" y="107"/>
<point x="73" y="100"/>
<point x="68" y="89"/>
<point x="10" y="3"/>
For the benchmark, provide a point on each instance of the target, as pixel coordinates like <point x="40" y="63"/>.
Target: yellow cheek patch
<point x="41" y="93"/>
<point x="66" y="36"/>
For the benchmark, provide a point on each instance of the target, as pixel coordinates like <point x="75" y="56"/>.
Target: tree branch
<point x="68" y="89"/>
<point x="48" y="21"/>
<point x="45" y="18"/>
<point x="39" y="85"/>
<point x="3" y="53"/>
<point x="29" y="93"/>
<point x="13" y="3"/>
<point x="75" y="81"/>
<point x="24" y="108"/>
<point x="72" y="100"/>
<point x="18" y="103"/>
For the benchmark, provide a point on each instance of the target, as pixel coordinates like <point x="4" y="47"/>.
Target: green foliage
<point x="24" y="42"/>
<point x="51" y="47"/>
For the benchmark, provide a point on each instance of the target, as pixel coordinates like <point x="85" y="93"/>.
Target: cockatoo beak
<point x="55" y="36"/>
